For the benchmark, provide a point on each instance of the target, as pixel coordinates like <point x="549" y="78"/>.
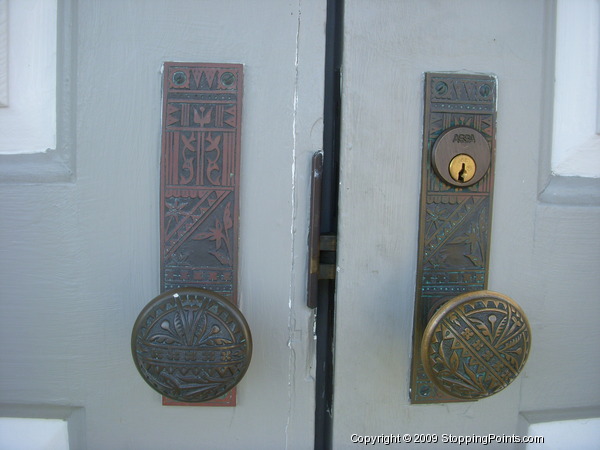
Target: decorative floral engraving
<point x="191" y="345"/>
<point x="199" y="211"/>
<point x="454" y="231"/>
<point x="478" y="347"/>
<point x="220" y="234"/>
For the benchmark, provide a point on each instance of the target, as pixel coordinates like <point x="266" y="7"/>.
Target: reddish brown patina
<point x="200" y="174"/>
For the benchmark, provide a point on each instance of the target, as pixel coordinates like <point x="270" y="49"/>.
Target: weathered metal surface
<point x="476" y="345"/>
<point x="454" y="221"/>
<point x="200" y="169"/>
<point x="200" y="176"/>
<point x="321" y="248"/>
<point x="191" y="345"/>
<point x="312" y="286"/>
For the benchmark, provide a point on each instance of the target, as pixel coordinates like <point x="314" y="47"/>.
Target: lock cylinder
<point x="461" y="156"/>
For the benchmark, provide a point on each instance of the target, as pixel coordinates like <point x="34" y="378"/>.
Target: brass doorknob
<point x="191" y="345"/>
<point x="476" y="344"/>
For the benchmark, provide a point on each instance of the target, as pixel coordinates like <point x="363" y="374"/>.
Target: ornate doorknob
<point x="476" y="344"/>
<point x="191" y="345"/>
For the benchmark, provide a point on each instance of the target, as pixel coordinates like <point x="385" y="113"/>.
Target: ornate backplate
<point x="191" y="345"/>
<point x="200" y="169"/>
<point x="454" y="220"/>
<point x="476" y="344"/>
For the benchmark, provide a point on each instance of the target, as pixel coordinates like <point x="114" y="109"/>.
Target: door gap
<point x="328" y="223"/>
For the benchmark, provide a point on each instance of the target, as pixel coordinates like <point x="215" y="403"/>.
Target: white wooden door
<point x="544" y="254"/>
<point x="80" y="257"/>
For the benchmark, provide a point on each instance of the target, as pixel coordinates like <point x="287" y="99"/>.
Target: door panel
<point x="542" y="255"/>
<point x="80" y="260"/>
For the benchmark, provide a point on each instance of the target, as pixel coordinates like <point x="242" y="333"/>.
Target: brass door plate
<point x="200" y="179"/>
<point x="455" y="214"/>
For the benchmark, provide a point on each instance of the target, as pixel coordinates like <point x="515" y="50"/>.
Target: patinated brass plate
<point x="200" y="180"/>
<point x="191" y="345"/>
<point x="455" y="217"/>
<point x="200" y="176"/>
<point x="476" y="344"/>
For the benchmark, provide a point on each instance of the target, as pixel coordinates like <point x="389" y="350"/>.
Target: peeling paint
<point x="291" y="314"/>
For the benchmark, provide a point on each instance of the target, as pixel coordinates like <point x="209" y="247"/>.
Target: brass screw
<point x="462" y="168"/>
<point x="227" y="79"/>
<point x="441" y="88"/>
<point x="485" y="90"/>
<point x="179" y="78"/>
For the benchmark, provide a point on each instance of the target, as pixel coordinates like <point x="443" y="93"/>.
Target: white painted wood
<point x="575" y="128"/>
<point x="3" y="53"/>
<point x="583" y="434"/>
<point x="33" y="434"/>
<point x="58" y="164"/>
<point x="28" y="124"/>
<point x="545" y="256"/>
<point x="79" y="260"/>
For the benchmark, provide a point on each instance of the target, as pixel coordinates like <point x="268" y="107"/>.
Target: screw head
<point x="441" y="88"/>
<point x="179" y="78"/>
<point x="227" y="79"/>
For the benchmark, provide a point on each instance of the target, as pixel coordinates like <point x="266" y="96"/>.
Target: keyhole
<point x="462" y="168"/>
<point x="462" y="174"/>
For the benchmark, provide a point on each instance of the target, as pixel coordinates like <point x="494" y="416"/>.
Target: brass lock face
<point x="461" y="156"/>
<point x="455" y="222"/>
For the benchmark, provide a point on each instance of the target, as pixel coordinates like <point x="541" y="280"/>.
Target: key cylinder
<point x="462" y="168"/>
<point x="461" y="156"/>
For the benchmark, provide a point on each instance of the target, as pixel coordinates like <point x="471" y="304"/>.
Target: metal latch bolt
<point x="321" y="249"/>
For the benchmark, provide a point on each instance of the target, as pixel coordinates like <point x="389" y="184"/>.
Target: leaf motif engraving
<point x="471" y="374"/>
<point x="200" y="328"/>
<point x="227" y="222"/>
<point x="454" y="361"/>
<point x="162" y="339"/>
<point x="219" y="234"/>
<point x="179" y="326"/>
<point x="511" y="360"/>
<point x="175" y="212"/>
<point x="482" y="327"/>
<point x="514" y="342"/>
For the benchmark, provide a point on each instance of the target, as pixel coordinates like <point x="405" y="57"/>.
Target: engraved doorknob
<point x="191" y="345"/>
<point x="476" y="344"/>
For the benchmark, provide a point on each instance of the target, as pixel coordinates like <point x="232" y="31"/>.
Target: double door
<point x="81" y="259"/>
